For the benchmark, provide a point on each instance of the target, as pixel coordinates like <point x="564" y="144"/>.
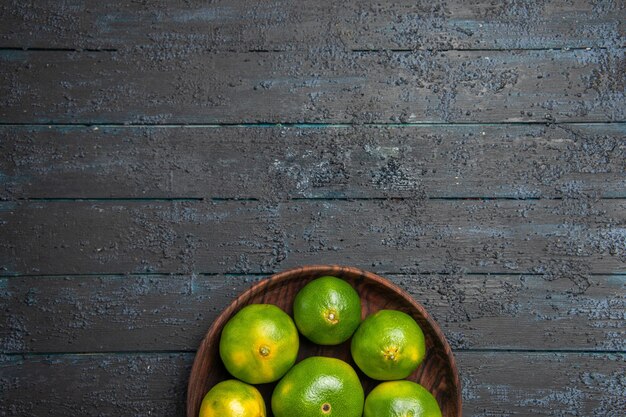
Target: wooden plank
<point x="542" y="384"/>
<point x="556" y="237"/>
<point x="510" y="384"/>
<point x="106" y="313"/>
<point x="266" y="162"/>
<point x="134" y="313"/>
<point x="289" y="24"/>
<point x="94" y="385"/>
<point x="328" y="85"/>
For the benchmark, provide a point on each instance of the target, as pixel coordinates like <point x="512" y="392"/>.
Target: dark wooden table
<point x="158" y="157"/>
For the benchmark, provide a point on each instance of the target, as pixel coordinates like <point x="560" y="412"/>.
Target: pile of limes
<point x="260" y="344"/>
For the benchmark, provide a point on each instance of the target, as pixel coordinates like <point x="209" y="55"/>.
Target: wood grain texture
<point x="516" y="161"/>
<point x="538" y="384"/>
<point x="437" y="372"/>
<point x="554" y="237"/>
<point x="94" y="385"/>
<point x="530" y="293"/>
<point x="321" y="85"/>
<point x="152" y="313"/>
<point x="516" y="384"/>
<point x="289" y="24"/>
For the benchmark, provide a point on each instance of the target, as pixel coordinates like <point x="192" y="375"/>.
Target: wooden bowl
<point x="438" y="372"/>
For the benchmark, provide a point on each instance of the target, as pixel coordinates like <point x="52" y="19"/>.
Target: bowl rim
<point x="277" y="278"/>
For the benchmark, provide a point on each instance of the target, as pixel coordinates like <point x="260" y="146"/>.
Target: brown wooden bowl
<point x="438" y="372"/>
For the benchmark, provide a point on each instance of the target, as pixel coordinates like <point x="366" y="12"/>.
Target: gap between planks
<point x="354" y="50"/>
<point x="294" y="199"/>
<point x="268" y="274"/>
<point x="193" y="352"/>
<point x="308" y="125"/>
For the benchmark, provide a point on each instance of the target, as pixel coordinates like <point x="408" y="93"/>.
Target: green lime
<point x="232" y="398"/>
<point x="400" y="399"/>
<point x="259" y="344"/>
<point x="327" y="310"/>
<point x="388" y="345"/>
<point x="319" y="387"/>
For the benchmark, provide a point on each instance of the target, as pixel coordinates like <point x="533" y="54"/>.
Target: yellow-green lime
<point x="401" y="399"/>
<point x="388" y="345"/>
<point x="232" y="398"/>
<point x="327" y="310"/>
<point x="259" y="344"/>
<point x="319" y="387"/>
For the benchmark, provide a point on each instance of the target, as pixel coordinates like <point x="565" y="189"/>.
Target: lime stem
<point x="331" y="316"/>
<point x="390" y="353"/>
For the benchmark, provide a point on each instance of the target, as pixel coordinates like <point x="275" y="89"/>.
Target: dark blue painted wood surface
<point x="157" y="158"/>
